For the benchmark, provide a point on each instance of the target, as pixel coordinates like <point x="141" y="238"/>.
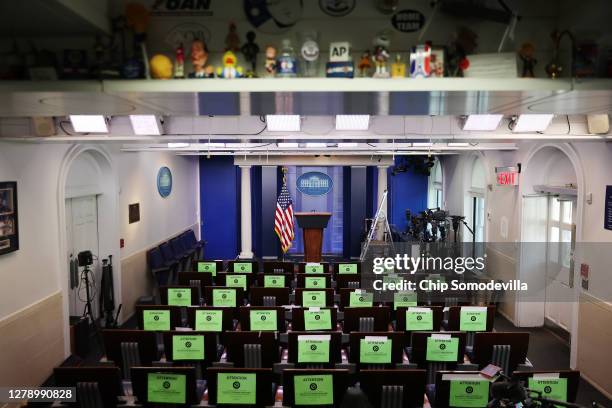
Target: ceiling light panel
<point x="532" y="123"/>
<point x="482" y="122"/>
<point x="178" y="145"/>
<point x="89" y="123"/>
<point x="144" y="125"/>
<point x="283" y="123"/>
<point x="352" y="122"/>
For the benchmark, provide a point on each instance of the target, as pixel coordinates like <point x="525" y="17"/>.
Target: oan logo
<point x="181" y="7"/>
<point x="314" y="183"/>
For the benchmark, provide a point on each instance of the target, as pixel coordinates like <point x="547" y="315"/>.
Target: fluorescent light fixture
<point x="347" y="145"/>
<point x="482" y="122"/>
<point x="422" y="144"/>
<point x="458" y="144"/>
<point x="144" y="125"/>
<point x="316" y="144"/>
<point x="213" y="144"/>
<point x="178" y="145"/>
<point x="288" y="145"/>
<point x="283" y="123"/>
<point x="532" y="123"/>
<point x="352" y="122"/>
<point x="89" y="123"/>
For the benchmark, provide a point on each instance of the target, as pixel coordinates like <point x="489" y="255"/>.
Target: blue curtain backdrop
<point x="331" y="202"/>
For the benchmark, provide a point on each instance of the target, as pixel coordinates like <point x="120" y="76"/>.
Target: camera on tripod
<point x="85" y="258"/>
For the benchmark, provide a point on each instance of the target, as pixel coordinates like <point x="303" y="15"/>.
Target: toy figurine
<point x="464" y="43"/>
<point x="365" y="64"/>
<point x="526" y="55"/>
<point x="199" y="58"/>
<point x="179" y="62"/>
<point x="250" y="51"/>
<point x="232" y="40"/>
<point x="161" y="67"/>
<point x="286" y="62"/>
<point x="420" y="61"/>
<point x="309" y="53"/>
<point x="398" y="68"/>
<point x="381" y="55"/>
<point x="230" y="67"/>
<point x="270" y="61"/>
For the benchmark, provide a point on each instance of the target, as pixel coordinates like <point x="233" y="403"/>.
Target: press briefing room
<point x="300" y="203"/>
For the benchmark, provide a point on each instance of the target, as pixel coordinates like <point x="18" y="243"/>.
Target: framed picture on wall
<point x="9" y="232"/>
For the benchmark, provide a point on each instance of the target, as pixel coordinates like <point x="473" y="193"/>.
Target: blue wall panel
<point x="219" y="206"/>
<point x="408" y="191"/>
<point x="269" y="194"/>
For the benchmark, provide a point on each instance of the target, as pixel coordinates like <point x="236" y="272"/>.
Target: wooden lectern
<point x="312" y="223"/>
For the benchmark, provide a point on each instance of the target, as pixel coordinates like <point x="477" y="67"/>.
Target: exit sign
<point x="507" y="176"/>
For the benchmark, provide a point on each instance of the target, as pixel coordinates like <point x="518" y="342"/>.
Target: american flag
<point x="283" y="219"/>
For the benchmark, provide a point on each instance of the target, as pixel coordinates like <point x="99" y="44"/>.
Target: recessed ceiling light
<point x="422" y="144"/>
<point x="89" y="123"/>
<point x="283" y="123"/>
<point x="213" y="144"/>
<point x="532" y="123"/>
<point x="352" y="122"/>
<point x="288" y="145"/>
<point x="178" y="145"/>
<point x="458" y="144"/>
<point x="316" y="144"/>
<point x="144" y="125"/>
<point x="482" y="122"/>
<point x="347" y="145"/>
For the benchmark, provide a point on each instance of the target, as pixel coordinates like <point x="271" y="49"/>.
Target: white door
<point x="531" y="304"/>
<point x="82" y="235"/>
<point x="559" y="265"/>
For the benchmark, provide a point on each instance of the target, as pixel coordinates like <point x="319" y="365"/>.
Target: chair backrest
<point x="501" y="356"/>
<point x="141" y="381"/>
<point x="264" y="392"/>
<point x="235" y="345"/>
<point x="190" y="237"/>
<point x="128" y="347"/>
<point x="392" y="396"/>
<point x="177" y="246"/>
<point x="379" y="385"/>
<point x="167" y="251"/>
<point x="107" y="380"/>
<point x="155" y="258"/>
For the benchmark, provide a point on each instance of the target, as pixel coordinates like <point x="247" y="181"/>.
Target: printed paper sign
<point x="236" y="281"/>
<point x="313" y="268"/>
<point x="317" y="320"/>
<point x="347" y="269"/>
<point x="551" y="388"/>
<point x="442" y="349"/>
<point x="313" y="389"/>
<point x="186" y="347"/>
<point x="469" y="393"/>
<point x="375" y="350"/>
<point x="156" y="320"/>
<point x="224" y="298"/>
<point x="313" y="349"/>
<point x="263" y="320"/>
<point x="311" y="282"/>
<point x="313" y="298"/>
<point x="419" y="318"/>
<point x="210" y="267"/>
<point x="274" y="281"/>
<point x="473" y="318"/>
<point x="237" y="388"/>
<point x="362" y="299"/>
<point x="243" y="267"/>
<point x="179" y="296"/>
<point x="166" y="388"/>
<point x="209" y="320"/>
<point x="404" y="299"/>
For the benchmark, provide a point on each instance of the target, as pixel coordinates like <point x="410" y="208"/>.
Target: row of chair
<point x="403" y="388"/>
<point x="176" y="255"/>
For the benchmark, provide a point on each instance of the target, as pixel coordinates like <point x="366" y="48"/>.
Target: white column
<point x="382" y="187"/>
<point x="245" y="213"/>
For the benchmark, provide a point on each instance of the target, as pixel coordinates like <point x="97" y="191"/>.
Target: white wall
<point x="35" y="277"/>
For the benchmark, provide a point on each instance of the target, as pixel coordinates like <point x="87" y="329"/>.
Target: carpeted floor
<point x="549" y="352"/>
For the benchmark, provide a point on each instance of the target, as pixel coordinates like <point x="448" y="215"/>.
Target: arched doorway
<point x="551" y="212"/>
<point x="87" y="202"/>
